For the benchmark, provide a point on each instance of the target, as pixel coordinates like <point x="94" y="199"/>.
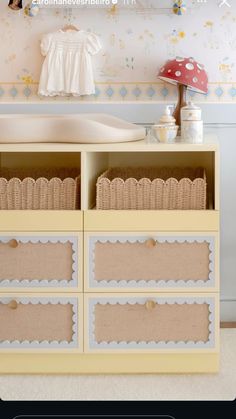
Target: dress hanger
<point x="70" y="27"/>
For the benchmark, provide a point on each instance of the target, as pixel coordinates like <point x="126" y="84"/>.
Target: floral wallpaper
<point x="136" y="42"/>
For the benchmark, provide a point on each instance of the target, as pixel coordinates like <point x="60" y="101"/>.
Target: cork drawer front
<point x="40" y="322"/>
<point x="150" y="322"/>
<point x="151" y="261"/>
<point x="47" y="260"/>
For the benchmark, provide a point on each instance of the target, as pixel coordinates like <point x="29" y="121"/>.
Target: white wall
<point x="227" y="136"/>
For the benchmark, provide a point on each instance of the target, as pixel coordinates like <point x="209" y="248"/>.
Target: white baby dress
<point x="67" y="68"/>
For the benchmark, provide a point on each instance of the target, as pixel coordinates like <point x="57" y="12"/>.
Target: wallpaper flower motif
<point x="135" y="43"/>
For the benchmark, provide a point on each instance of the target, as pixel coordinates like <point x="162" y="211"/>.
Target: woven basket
<point x="39" y="189"/>
<point x="152" y="189"/>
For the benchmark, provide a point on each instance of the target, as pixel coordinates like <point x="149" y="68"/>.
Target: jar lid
<point x="167" y="117"/>
<point x="191" y="107"/>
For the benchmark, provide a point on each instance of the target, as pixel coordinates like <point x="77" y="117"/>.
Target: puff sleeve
<point x="93" y="44"/>
<point x="45" y="44"/>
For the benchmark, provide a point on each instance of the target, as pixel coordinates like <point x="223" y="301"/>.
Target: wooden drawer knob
<point x="13" y="243"/>
<point x="150" y="243"/>
<point x="13" y="305"/>
<point x="150" y="305"/>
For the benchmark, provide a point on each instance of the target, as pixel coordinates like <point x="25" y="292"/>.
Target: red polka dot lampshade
<point x="185" y="71"/>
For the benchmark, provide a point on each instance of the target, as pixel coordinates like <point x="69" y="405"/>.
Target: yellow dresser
<point x="90" y="291"/>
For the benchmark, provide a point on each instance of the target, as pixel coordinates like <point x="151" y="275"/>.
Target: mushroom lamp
<point x="186" y="73"/>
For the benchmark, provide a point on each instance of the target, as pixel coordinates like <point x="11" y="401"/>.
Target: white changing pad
<point x="74" y="128"/>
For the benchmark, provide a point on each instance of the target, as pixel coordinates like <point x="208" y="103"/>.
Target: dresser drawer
<point x="151" y="322"/>
<point x="151" y="261"/>
<point x="41" y="321"/>
<point x="41" y="260"/>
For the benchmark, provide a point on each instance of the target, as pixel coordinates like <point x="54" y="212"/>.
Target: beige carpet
<point x="159" y="387"/>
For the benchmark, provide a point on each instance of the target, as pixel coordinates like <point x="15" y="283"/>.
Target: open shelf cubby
<point x="96" y="163"/>
<point x="91" y="164"/>
<point x="42" y="180"/>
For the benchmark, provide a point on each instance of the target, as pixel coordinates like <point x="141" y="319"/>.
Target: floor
<point x="221" y="386"/>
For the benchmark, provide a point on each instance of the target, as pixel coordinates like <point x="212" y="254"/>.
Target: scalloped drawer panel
<point x="151" y="322"/>
<point x="151" y="261"/>
<point x="39" y="322"/>
<point x="39" y="261"/>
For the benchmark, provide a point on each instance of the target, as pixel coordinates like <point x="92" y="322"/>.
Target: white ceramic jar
<point x="167" y="118"/>
<point x="192" y="131"/>
<point x="191" y="112"/>
<point x="191" y="124"/>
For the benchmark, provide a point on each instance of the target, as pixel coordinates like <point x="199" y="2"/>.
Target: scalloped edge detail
<point x="152" y="345"/>
<point x="140" y="283"/>
<point x="150" y="182"/>
<point x="9" y="283"/>
<point x="35" y="181"/>
<point x="104" y="177"/>
<point x="45" y="344"/>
